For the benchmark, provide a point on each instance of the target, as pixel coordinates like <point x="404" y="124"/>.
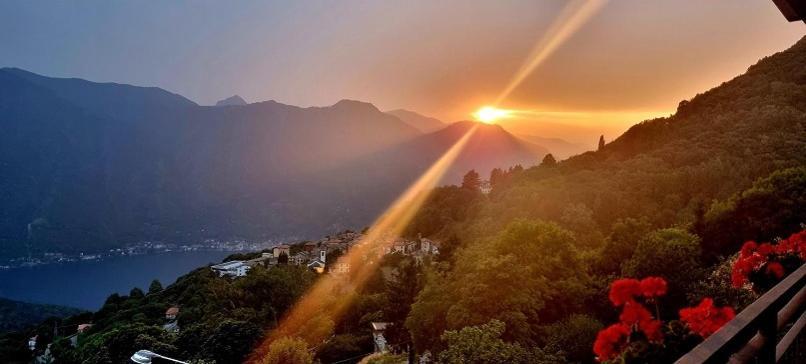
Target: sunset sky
<point x="632" y="60"/>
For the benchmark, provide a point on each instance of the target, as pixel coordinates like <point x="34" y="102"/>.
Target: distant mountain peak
<point x="354" y="105"/>
<point x="426" y="124"/>
<point x="234" y="100"/>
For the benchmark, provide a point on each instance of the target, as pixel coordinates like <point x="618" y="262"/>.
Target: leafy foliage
<point x="482" y="344"/>
<point x="288" y="351"/>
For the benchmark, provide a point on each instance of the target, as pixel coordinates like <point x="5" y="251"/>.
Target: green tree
<point x="548" y="161"/>
<point x="136" y="293"/>
<point x="401" y="289"/>
<point x="673" y="254"/>
<point x="772" y="208"/>
<point x="601" y="142"/>
<point x="448" y="248"/>
<point x="282" y="259"/>
<point x="471" y="181"/>
<point x="288" y="350"/>
<point x="154" y="287"/>
<point x="341" y="347"/>
<point x="575" y="336"/>
<point x="578" y="218"/>
<point x="620" y="244"/>
<point x="231" y="341"/>
<point x="117" y="344"/>
<point x="427" y="318"/>
<point x="482" y="344"/>
<point x="496" y="177"/>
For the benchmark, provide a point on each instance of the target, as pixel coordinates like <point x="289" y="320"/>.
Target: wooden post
<point x="769" y="332"/>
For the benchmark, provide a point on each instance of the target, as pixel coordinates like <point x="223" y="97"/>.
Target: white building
<point x="378" y="329"/>
<point x="429" y="246"/>
<point x="486" y="187"/>
<point x="317" y="266"/>
<point x="235" y="268"/>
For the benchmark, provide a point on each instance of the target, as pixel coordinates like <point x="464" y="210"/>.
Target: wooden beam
<point x="793" y="10"/>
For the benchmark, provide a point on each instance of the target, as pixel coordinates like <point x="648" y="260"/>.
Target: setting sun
<point x="489" y="114"/>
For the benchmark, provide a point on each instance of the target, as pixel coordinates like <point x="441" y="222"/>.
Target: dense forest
<point x="537" y="270"/>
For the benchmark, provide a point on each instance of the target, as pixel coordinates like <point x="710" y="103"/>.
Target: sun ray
<point x="575" y="14"/>
<point x="331" y="295"/>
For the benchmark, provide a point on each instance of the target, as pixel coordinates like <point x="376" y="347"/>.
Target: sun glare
<point x="489" y="114"/>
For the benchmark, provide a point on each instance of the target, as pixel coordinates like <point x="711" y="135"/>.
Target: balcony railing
<point x="767" y="331"/>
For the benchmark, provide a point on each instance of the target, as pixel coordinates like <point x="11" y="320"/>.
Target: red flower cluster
<point x="634" y="316"/>
<point x="636" y="321"/>
<point x="766" y="258"/>
<point x="705" y="319"/>
<point x="626" y="290"/>
<point x="611" y="341"/>
<point x="652" y="287"/>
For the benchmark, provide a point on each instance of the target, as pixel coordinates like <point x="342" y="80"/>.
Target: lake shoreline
<point x="86" y="284"/>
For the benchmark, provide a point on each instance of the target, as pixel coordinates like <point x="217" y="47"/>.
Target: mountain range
<point x="234" y="100"/>
<point x="90" y="166"/>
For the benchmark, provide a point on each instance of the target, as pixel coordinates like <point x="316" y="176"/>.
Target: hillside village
<point x="322" y="255"/>
<point x="174" y="317"/>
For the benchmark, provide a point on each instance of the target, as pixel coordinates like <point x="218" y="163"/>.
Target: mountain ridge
<point x="160" y="167"/>
<point x="426" y="124"/>
<point x="233" y="100"/>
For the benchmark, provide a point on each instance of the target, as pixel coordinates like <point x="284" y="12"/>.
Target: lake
<point x="87" y="284"/>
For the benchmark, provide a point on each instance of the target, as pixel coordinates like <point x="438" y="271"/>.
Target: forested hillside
<point x="672" y="197"/>
<point x="15" y="315"/>
<point x="668" y="170"/>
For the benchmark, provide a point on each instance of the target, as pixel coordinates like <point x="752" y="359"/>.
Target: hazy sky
<point x="633" y="59"/>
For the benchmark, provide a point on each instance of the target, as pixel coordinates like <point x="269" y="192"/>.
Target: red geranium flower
<point x="624" y="290"/>
<point x="651" y="329"/>
<point x="652" y="287"/>
<point x="765" y="249"/>
<point x="611" y="341"/>
<point x="775" y="269"/>
<point x="705" y="319"/>
<point x="634" y="313"/>
<point x="748" y="248"/>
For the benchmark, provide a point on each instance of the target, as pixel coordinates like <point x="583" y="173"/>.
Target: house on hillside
<point x="401" y="246"/>
<point x="429" y="246"/>
<point x="317" y="266"/>
<point x="32" y="342"/>
<point x="486" y="187"/>
<point x="280" y="249"/>
<point x="265" y="259"/>
<point x="339" y="268"/>
<point x="378" y="329"/>
<point x="171" y="313"/>
<point x="82" y="328"/>
<point x="235" y="268"/>
<point x="299" y="258"/>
